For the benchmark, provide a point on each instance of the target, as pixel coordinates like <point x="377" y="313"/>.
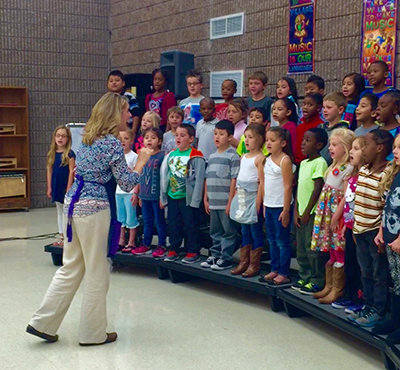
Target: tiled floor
<point x="193" y="325"/>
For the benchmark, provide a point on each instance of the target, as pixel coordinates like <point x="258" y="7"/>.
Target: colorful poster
<point x="301" y="36"/>
<point x="379" y="36"/>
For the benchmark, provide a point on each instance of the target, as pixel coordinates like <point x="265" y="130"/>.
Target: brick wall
<point x="60" y="51"/>
<point x="141" y="30"/>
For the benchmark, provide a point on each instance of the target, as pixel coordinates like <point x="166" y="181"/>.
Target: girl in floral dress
<point x="327" y="237"/>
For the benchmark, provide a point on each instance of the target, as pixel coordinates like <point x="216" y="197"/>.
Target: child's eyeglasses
<point x="193" y="83"/>
<point x="61" y="136"/>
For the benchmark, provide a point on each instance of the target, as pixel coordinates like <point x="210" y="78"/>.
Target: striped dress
<point x="368" y="202"/>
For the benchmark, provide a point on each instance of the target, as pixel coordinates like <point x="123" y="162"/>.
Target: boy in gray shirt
<point x="220" y="184"/>
<point x="205" y="128"/>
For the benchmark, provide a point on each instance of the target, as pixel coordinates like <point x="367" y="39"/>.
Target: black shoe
<point x="394" y="337"/>
<point x="111" y="337"/>
<point x="391" y="325"/>
<point x="221" y="265"/>
<point x="47" y="337"/>
<point x="384" y="327"/>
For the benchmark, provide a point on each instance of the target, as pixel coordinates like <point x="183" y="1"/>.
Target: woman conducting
<point x="100" y="160"/>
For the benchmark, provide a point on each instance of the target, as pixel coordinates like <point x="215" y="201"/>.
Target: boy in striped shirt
<point x="368" y="207"/>
<point x="221" y="174"/>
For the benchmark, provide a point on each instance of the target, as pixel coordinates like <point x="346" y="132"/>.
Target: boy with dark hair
<point x="182" y="182"/>
<point x="377" y="73"/>
<point x="116" y="83"/>
<point x="315" y="85"/>
<point x="257" y="85"/>
<point x="310" y="183"/>
<point x="205" y="128"/>
<point x="191" y="104"/>
<point x="366" y="114"/>
<point x="219" y="189"/>
<point x="311" y="107"/>
<point x="368" y="207"/>
<point x="228" y="90"/>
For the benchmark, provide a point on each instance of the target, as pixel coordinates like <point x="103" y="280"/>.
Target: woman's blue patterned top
<point x="97" y="163"/>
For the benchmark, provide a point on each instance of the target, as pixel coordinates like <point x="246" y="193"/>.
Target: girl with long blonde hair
<point x="326" y="238"/>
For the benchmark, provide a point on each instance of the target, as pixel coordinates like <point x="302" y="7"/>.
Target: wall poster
<point x="301" y="36"/>
<point x="378" y="40"/>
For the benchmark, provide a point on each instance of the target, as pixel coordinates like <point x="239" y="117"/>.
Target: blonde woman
<point x="99" y="159"/>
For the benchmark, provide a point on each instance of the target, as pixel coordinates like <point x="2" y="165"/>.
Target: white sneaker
<point x="208" y="262"/>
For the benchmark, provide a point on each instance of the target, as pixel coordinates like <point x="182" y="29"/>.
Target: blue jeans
<point x="253" y="234"/>
<point x="279" y="241"/>
<point x="126" y="212"/>
<point x="151" y="212"/>
<point x="224" y="234"/>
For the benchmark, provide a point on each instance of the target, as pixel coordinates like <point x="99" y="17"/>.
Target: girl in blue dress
<point x="60" y="173"/>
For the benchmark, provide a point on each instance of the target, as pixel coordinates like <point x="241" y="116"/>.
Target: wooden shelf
<point x="14" y="109"/>
<point x="18" y="169"/>
<point x="11" y="136"/>
<point x="6" y="106"/>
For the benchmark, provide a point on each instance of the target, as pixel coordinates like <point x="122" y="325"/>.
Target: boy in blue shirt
<point x="191" y="104"/>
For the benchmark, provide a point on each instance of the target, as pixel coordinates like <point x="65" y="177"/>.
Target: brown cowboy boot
<point x="328" y="282"/>
<point x="255" y="259"/>
<point x="337" y="286"/>
<point x="243" y="261"/>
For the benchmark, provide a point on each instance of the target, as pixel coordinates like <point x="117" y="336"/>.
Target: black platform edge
<point x="225" y="276"/>
<point x="393" y="353"/>
<point x="295" y="303"/>
<point x="56" y="254"/>
<point x="131" y="259"/>
<point x="195" y="270"/>
<point x="144" y="260"/>
<point x="52" y="249"/>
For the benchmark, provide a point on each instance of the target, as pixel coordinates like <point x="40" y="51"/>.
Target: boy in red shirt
<point x="311" y="107"/>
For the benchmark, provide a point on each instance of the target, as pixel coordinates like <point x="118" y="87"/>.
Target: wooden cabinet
<point x="14" y="148"/>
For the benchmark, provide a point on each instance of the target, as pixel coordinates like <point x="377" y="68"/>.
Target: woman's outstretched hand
<point x="144" y="155"/>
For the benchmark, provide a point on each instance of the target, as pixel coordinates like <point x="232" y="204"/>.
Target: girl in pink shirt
<point x="284" y="112"/>
<point x="237" y="113"/>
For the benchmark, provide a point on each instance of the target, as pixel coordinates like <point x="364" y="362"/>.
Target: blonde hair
<point x="337" y="97"/>
<point x="105" y="118"/>
<point x="346" y="138"/>
<point x="155" y="118"/>
<point x="51" y="154"/>
<point x="361" y="143"/>
<point x="129" y="132"/>
<point x="392" y="170"/>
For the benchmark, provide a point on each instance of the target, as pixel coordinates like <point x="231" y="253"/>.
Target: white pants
<point x="85" y="256"/>
<point x="60" y="216"/>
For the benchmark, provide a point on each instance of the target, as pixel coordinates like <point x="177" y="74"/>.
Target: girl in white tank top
<point x="277" y="198"/>
<point x="246" y="204"/>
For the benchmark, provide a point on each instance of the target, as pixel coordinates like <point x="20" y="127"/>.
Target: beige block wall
<point x="141" y="30"/>
<point x="60" y="51"/>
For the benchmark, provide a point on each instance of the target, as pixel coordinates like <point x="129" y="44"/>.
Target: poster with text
<point x="301" y="36"/>
<point x="379" y="36"/>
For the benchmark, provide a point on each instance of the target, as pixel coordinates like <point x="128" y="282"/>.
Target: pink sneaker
<point x="159" y="252"/>
<point x="141" y="250"/>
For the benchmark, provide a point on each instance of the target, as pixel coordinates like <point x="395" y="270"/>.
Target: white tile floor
<point x="193" y="325"/>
